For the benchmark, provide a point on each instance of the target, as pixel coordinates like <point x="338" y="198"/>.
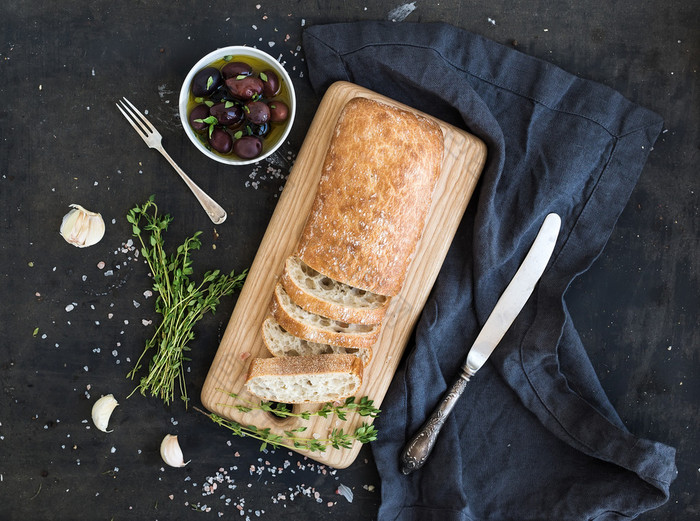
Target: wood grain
<point x="462" y="165"/>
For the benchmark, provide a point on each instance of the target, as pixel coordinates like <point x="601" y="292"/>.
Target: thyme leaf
<point x="181" y="301"/>
<point x="337" y="439"/>
<point x="363" y="407"/>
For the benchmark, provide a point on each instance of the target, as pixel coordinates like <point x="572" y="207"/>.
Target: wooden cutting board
<point x="463" y="161"/>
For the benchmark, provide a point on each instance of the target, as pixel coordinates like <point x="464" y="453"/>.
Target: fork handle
<point x="215" y="212"/>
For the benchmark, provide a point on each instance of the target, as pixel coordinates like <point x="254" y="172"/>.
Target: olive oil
<point x="276" y="129"/>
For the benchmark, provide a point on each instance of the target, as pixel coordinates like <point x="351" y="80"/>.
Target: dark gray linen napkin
<point x="534" y="436"/>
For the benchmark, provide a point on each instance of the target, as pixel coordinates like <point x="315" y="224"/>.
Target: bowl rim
<point x="241" y="50"/>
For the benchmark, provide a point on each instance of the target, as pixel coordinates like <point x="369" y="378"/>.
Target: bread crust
<point x="357" y="335"/>
<point x="271" y="325"/>
<point x="299" y="365"/>
<point x="314" y="365"/>
<point x="327" y="308"/>
<point x="373" y="197"/>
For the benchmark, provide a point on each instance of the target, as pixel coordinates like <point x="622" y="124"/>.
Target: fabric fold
<point x="534" y="436"/>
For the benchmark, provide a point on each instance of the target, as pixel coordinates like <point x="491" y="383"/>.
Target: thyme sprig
<point x="363" y="407"/>
<point x="338" y="438"/>
<point x="181" y="301"/>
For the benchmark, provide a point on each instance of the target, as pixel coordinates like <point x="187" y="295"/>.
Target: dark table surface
<point x="72" y="330"/>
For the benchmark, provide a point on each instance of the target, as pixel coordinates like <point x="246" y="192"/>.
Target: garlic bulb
<point x="102" y="410"/>
<point x="81" y="227"/>
<point x="170" y="451"/>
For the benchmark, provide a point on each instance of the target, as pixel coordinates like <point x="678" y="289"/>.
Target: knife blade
<point x="509" y="305"/>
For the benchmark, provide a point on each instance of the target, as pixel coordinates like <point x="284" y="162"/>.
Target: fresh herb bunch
<point x="363" y="407"/>
<point x="338" y="439"/>
<point x="181" y="301"/>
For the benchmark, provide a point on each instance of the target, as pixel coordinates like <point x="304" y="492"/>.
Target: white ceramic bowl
<point x="237" y="51"/>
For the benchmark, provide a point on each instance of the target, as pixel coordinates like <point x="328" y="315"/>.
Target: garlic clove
<point x="102" y="410"/>
<point x="170" y="451"/>
<point x="81" y="227"/>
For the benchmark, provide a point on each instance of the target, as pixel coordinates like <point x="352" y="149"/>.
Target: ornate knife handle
<point x="421" y="445"/>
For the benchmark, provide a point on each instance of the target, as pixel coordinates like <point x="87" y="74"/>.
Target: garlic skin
<point x="170" y="451"/>
<point x="102" y="410"/>
<point x="81" y="227"/>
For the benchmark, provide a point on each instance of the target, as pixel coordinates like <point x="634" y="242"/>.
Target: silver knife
<point x="501" y="318"/>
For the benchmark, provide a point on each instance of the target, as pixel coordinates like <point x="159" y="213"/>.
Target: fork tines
<point x="137" y="120"/>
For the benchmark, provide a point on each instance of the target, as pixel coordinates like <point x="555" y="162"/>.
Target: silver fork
<point x="153" y="139"/>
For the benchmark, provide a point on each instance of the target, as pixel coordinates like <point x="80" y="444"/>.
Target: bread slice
<point x="373" y="196"/>
<point x="315" y="328"/>
<point x="324" y="296"/>
<point x="305" y="379"/>
<point x="282" y="343"/>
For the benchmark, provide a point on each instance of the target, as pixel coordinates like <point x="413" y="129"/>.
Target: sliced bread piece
<point x="305" y="379"/>
<point x="324" y="296"/>
<point x="316" y="328"/>
<point x="282" y="343"/>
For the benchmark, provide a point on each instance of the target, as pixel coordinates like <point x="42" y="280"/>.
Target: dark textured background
<point x="62" y="141"/>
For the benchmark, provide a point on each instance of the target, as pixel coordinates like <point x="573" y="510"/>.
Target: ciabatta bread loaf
<point x="324" y="296"/>
<point x="315" y="328"/>
<point x="305" y="379"/>
<point x="366" y="219"/>
<point x="282" y="343"/>
<point x="373" y="196"/>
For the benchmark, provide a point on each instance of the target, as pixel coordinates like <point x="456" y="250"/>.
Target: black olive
<point x="271" y="83"/>
<point x="221" y="94"/>
<point x="279" y="111"/>
<point x="257" y="112"/>
<point x="246" y="88"/>
<point x="258" y="130"/>
<point x="227" y="115"/>
<point x="221" y="141"/>
<point x="247" y="147"/>
<point x="206" y="81"/>
<point x="233" y="69"/>
<point x="200" y="112"/>
<point x="239" y="107"/>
